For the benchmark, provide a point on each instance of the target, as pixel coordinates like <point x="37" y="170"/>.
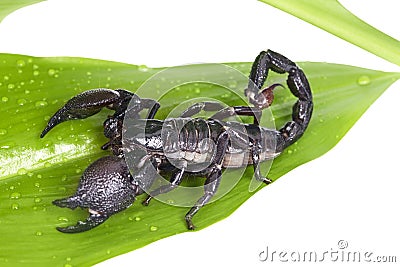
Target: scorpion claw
<point x="92" y="221"/>
<point x="69" y="202"/>
<point x="82" y="106"/>
<point x="105" y="188"/>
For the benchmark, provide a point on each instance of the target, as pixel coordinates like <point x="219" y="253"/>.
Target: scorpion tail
<point x="298" y="85"/>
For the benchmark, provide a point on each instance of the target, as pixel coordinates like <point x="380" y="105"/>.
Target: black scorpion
<point x="107" y="186"/>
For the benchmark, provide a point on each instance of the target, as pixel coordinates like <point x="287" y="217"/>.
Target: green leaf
<point x="9" y="6"/>
<point x="36" y="171"/>
<point x="332" y="17"/>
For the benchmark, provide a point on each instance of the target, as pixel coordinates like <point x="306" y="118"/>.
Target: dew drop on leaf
<point x="15" y="206"/>
<point x="51" y="72"/>
<point x="22" y="171"/>
<point x="153" y="228"/>
<point x="11" y="86"/>
<point x="3" y="131"/>
<point x="38" y="233"/>
<point x="41" y="103"/>
<point x="62" y="219"/>
<point x="21" y="102"/>
<point x="4" y="99"/>
<point x="15" y="195"/>
<point x="21" y="63"/>
<point x="364" y="80"/>
<point x="143" y="68"/>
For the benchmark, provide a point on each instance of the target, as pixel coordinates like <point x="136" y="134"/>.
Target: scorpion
<point x="108" y="186"/>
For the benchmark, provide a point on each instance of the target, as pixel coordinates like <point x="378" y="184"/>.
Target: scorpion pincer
<point x="107" y="186"/>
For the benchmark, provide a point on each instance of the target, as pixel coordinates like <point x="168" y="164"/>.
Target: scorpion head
<point x="105" y="188"/>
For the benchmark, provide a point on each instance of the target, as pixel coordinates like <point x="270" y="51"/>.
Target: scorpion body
<point x="185" y="145"/>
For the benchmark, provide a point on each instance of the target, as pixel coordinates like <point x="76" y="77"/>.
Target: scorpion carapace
<point x="184" y="145"/>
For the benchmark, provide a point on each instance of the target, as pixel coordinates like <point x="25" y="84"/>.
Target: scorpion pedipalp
<point x="105" y="188"/>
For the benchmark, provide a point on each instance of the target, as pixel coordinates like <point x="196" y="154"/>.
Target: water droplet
<point x="38" y="200"/>
<point x="6" y="78"/>
<point x="232" y="84"/>
<point x="51" y="72"/>
<point x="290" y="151"/>
<point x="68" y="259"/>
<point x="41" y="103"/>
<point x="137" y="218"/>
<point x="7" y="145"/>
<point x="22" y="171"/>
<point x="78" y="170"/>
<point x="197" y="90"/>
<point x="226" y="95"/>
<point x="364" y="80"/>
<point x="11" y="86"/>
<point x="39" y="176"/>
<point x="15" y="195"/>
<point x="47" y="165"/>
<point x="38" y="233"/>
<point x="108" y="251"/>
<point x="321" y="120"/>
<point x="3" y="131"/>
<point x="37" y="184"/>
<point x="143" y="68"/>
<point x="62" y="189"/>
<point x="21" y="63"/>
<point x="12" y="187"/>
<point x="153" y="228"/>
<point x="4" y="99"/>
<point x="63" y="219"/>
<point x="21" y="102"/>
<point x="88" y="73"/>
<point x="36" y="73"/>
<point x="15" y="206"/>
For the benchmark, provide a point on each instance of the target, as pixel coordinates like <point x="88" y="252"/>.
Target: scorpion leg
<point x="90" y="102"/>
<point x="105" y="188"/>
<point x="213" y="179"/>
<point x="222" y="113"/>
<point x="174" y="182"/>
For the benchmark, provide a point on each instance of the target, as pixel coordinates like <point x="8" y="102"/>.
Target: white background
<point x="351" y="193"/>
